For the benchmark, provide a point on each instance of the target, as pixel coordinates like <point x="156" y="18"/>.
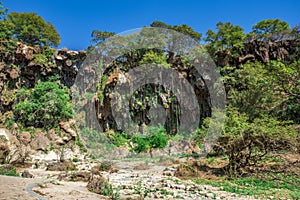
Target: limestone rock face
<point x="262" y="51"/>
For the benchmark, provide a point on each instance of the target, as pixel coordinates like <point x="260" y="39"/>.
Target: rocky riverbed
<point x="130" y="179"/>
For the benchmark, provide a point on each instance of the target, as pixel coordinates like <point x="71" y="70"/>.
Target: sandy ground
<point x="14" y="188"/>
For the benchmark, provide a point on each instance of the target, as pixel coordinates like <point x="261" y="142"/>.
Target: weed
<point x="8" y="171"/>
<point x="166" y="192"/>
<point x="211" y="160"/>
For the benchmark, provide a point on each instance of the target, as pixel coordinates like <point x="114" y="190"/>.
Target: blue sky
<point x="76" y="19"/>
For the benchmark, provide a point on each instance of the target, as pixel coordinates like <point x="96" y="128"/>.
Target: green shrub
<point x="8" y="170"/>
<point x="157" y="58"/>
<point x="119" y="139"/>
<point x="156" y="138"/>
<point x="40" y="59"/>
<point x="245" y="143"/>
<point x="44" y="107"/>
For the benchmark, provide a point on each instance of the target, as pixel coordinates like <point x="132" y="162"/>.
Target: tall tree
<point x="185" y="29"/>
<point x="271" y="30"/>
<point x="228" y="36"/>
<point x="100" y="36"/>
<point x="3" y="11"/>
<point x="7" y="45"/>
<point x="5" y="26"/>
<point x="33" y="30"/>
<point x="295" y="32"/>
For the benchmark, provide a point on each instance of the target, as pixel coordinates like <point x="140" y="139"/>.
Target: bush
<point x="40" y="59"/>
<point x="245" y="143"/>
<point x="8" y="170"/>
<point x="44" y="107"/>
<point x="156" y="138"/>
<point x="119" y="139"/>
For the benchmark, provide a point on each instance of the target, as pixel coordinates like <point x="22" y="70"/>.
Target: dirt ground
<point x="13" y="188"/>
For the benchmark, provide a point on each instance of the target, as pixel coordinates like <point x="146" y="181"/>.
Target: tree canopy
<point x="3" y="11"/>
<point x="271" y="29"/>
<point x="32" y="29"/>
<point x="100" y="36"/>
<point x="227" y="36"/>
<point x="184" y="29"/>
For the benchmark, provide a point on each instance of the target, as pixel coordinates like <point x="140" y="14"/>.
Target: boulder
<point x="66" y="126"/>
<point x="25" y="138"/>
<point x="40" y="141"/>
<point x="4" y="149"/>
<point x="60" y="141"/>
<point x="26" y="174"/>
<point x="12" y="149"/>
<point x="43" y="157"/>
<point x="98" y="184"/>
<point x="77" y="176"/>
<point x="61" y="166"/>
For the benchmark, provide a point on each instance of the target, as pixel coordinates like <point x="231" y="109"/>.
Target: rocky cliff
<point x="286" y="51"/>
<point x="25" y="65"/>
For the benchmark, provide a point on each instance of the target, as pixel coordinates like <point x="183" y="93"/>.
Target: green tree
<point x="245" y="142"/>
<point x="33" y="30"/>
<point x="271" y="30"/>
<point x="228" y="36"/>
<point x="7" y="46"/>
<point x="100" y="36"/>
<point x="184" y="29"/>
<point x="295" y="32"/>
<point x="287" y="79"/>
<point x="3" y="11"/>
<point x="6" y="32"/>
<point x="264" y="89"/>
<point x="252" y="90"/>
<point x="46" y="105"/>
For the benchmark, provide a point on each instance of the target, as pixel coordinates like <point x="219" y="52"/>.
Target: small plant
<point x="116" y="195"/>
<point x="166" y="192"/>
<point x="211" y="160"/>
<point x="119" y="139"/>
<point x="41" y="185"/>
<point x="8" y="171"/>
<point x="79" y="144"/>
<point x="106" y="189"/>
<point x="138" y="189"/>
<point x="40" y="59"/>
